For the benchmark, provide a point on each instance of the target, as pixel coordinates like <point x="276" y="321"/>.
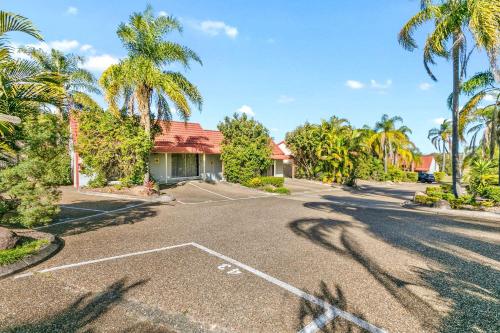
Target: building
<point x="184" y="151"/>
<point x="288" y="164"/>
<point x="426" y="164"/>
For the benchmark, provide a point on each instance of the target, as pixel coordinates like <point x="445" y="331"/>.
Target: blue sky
<point x="286" y="62"/>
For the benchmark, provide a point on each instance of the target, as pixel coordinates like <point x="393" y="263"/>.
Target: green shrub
<point x="254" y="182"/>
<point x="411" y="176"/>
<point x="98" y="181"/>
<point x="274" y="181"/>
<point x="396" y="174"/>
<point x="426" y="200"/>
<point x="31" y="196"/>
<point x="461" y="201"/>
<point x="282" y="190"/>
<point x="492" y="193"/>
<point x="434" y="191"/>
<point x="439" y="176"/>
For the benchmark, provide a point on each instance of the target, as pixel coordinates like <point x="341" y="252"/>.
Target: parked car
<point x="424" y="177"/>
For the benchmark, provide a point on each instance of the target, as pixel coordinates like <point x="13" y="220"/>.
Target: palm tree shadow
<point x="471" y="286"/>
<point x="309" y="311"/>
<point x="82" y="313"/>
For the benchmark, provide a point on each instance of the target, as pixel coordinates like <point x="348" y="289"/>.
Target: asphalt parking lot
<point x="229" y="259"/>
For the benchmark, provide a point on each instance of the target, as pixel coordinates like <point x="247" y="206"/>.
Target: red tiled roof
<point x="425" y="163"/>
<point x="182" y="137"/>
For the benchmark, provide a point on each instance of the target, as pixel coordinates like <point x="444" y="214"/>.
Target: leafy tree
<point x="112" y="147"/>
<point x="303" y="143"/>
<point x="441" y="139"/>
<point x="29" y="194"/>
<point x="452" y="19"/>
<point x="75" y="81"/>
<point x="46" y="137"/>
<point x="141" y="79"/>
<point x="246" y="148"/>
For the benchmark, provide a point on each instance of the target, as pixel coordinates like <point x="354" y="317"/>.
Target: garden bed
<point x="268" y="184"/>
<point x="31" y="248"/>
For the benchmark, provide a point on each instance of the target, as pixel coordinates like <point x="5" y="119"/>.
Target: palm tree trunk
<point x="385" y="158"/>
<point x="443" y="162"/>
<point x="457" y="191"/>
<point x="144" y="105"/>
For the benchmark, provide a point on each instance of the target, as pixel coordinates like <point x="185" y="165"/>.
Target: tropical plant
<point x="452" y="19"/>
<point x="246" y="148"/>
<point x="141" y="79"/>
<point x="76" y="82"/>
<point x="441" y="139"/>
<point x="387" y="140"/>
<point x="481" y="175"/>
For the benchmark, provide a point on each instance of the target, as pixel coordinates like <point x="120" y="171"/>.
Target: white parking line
<point x="320" y="322"/>
<point x="317" y="324"/>
<point x="87" y="217"/>
<point x="88" y="262"/>
<point x="82" y="208"/>
<point x="201" y="188"/>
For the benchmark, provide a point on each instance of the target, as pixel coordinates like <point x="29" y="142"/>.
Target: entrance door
<point x="185" y="165"/>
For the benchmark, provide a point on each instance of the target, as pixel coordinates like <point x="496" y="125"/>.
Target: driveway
<point x="320" y="259"/>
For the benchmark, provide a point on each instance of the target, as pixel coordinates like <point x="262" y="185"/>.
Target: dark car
<point x="424" y="177"/>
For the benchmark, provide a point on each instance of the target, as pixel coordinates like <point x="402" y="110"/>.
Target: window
<point x="185" y="165"/>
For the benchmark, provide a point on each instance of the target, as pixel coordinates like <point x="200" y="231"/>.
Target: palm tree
<point x="440" y="138"/>
<point x="10" y="22"/>
<point x="76" y="82"/>
<point x="388" y="139"/>
<point x="141" y="79"/>
<point x="451" y="19"/>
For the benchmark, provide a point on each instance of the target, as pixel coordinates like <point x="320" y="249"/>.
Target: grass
<point x="26" y="247"/>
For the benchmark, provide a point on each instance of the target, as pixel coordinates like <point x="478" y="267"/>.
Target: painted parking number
<point x="228" y="270"/>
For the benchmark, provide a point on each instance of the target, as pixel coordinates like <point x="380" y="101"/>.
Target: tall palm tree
<point x="76" y="82"/>
<point x="142" y="79"/>
<point x="10" y="22"/>
<point x="388" y="138"/>
<point x="441" y="139"/>
<point x="452" y="19"/>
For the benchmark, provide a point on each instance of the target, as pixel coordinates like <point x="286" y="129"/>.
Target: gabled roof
<point x="425" y="163"/>
<point x="184" y="137"/>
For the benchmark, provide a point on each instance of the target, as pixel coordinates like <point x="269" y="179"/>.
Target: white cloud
<point x="382" y="86"/>
<point x="100" y="62"/>
<point x="246" y="110"/>
<point x="489" y="98"/>
<point x="64" y="45"/>
<point x="86" y="47"/>
<point x="424" y="86"/>
<point x="214" y="28"/>
<point x="438" y="121"/>
<point x="72" y="11"/>
<point x="353" y="84"/>
<point x="162" y="13"/>
<point x="284" y="99"/>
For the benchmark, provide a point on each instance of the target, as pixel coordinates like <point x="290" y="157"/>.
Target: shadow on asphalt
<point x="397" y="192"/>
<point x="309" y="311"/>
<point x="91" y="223"/>
<point x="82" y="313"/>
<point x="472" y="287"/>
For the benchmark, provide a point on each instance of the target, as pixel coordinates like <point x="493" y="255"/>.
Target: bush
<point x="396" y="175"/>
<point x="439" y="176"/>
<point x="25" y="248"/>
<point x="274" y="181"/>
<point x="492" y="193"/>
<point x="254" y="182"/>
<point x="282" y="190"/>
<point x="246" y="149"/>
<point x="466" y="199"/>
<point x="112" y="147"/>
<point x="411" y="176"/>
<point x="30" y="195"/>
<point x="426" y="200"/>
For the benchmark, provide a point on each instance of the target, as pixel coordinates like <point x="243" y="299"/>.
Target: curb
<point x="46" y="252"/>
<point x="161" y="198"/>
<point x="453" y="212"/>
